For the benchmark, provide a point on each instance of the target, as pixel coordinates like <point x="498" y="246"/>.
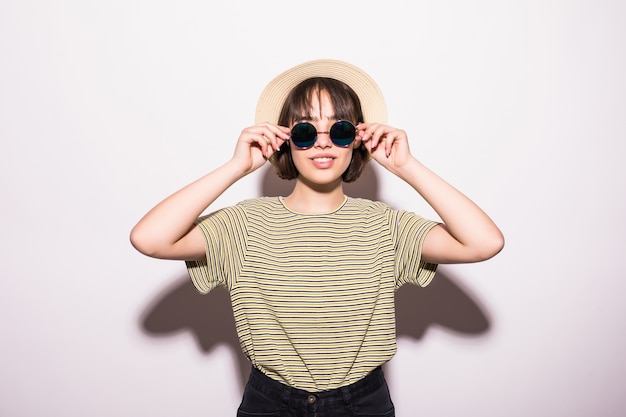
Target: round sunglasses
<point x="304" y="134"/>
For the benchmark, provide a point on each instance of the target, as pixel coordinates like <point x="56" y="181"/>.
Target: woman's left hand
<point x="387" y="145"/>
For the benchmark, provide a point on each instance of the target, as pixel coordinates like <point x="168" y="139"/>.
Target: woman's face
<point x="324" y="163"/>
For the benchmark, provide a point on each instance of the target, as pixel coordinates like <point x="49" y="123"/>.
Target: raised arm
<point x="168" y="231"/>
<point x="467" y="233"/>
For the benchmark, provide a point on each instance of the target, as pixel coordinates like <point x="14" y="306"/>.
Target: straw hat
<point x="272" y="98"/>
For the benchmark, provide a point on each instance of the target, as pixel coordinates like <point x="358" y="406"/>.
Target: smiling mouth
<point x="323" y="159"/>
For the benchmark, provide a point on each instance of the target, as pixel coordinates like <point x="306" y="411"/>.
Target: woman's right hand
<point x="256" y="144"/>
<point x="168" y="231"/>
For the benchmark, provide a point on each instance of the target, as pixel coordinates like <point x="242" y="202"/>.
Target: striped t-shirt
<point x="313" y="294"/>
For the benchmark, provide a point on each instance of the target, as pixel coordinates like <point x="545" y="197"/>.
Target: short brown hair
<point x="347" y="106"/>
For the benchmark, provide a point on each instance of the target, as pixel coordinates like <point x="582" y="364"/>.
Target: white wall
<point x="108" y="106"/>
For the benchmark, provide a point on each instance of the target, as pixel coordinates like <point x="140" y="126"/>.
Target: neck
<point x="309" y="198"/>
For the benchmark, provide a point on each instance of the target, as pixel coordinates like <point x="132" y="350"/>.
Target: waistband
<point x="287" y="394"/>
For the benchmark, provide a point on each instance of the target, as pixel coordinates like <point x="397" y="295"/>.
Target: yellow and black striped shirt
<point x="313" y="294"/>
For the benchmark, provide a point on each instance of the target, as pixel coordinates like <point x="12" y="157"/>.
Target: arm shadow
<point x="209" y="318"/>
<point x="444" y="303"/>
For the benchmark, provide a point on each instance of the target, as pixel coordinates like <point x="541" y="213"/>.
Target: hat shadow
<point x="180" y="308"/>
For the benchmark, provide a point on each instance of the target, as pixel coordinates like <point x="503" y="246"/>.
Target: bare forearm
<point x="163" y="227"/>
<point x="477" y="235"/>
<point x="167" y="231"/>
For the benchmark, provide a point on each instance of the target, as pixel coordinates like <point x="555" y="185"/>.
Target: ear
<point x="357" y="141"/>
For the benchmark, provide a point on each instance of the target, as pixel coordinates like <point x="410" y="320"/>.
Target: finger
<point x="256" y="139"/>
<point x="274" y="142"/>
<point x="365" y="131"/>
<point x="377" y="133"/>
<point x="388" y="142"/>
<point x="267" y="140"/>
<point x="262" y="143"/>
<point x="278" y="131"/>
<point x="399" y="138"/>
<point x="275" y="135"/>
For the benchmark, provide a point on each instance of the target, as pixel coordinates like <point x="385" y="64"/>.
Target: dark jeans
<point x="368" y="397"/>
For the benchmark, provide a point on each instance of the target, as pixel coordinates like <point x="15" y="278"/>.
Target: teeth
<point x="322" y="159"/>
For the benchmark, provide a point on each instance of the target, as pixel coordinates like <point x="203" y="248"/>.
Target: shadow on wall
<point x="210" y="319"/>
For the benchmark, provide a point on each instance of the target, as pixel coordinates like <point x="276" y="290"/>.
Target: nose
<point x="323" y="139"/>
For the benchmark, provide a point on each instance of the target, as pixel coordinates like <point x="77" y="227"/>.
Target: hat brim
<point x="274" y="95"/>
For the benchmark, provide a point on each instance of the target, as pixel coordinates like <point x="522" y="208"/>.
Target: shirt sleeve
<point x="224" y="234"/>
<point x="408" y="231"/>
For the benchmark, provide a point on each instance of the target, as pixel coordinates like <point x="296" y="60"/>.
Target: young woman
<point x="312" y="274"/>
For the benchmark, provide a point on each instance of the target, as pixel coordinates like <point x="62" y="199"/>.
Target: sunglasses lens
<point x="303" y="135"/>
<point x="342" y="133"/>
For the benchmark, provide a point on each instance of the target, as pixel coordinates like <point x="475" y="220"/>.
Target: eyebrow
<point x="311" y="118"/>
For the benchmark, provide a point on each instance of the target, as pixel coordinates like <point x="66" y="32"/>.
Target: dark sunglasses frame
<point x="304" y="134"/>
